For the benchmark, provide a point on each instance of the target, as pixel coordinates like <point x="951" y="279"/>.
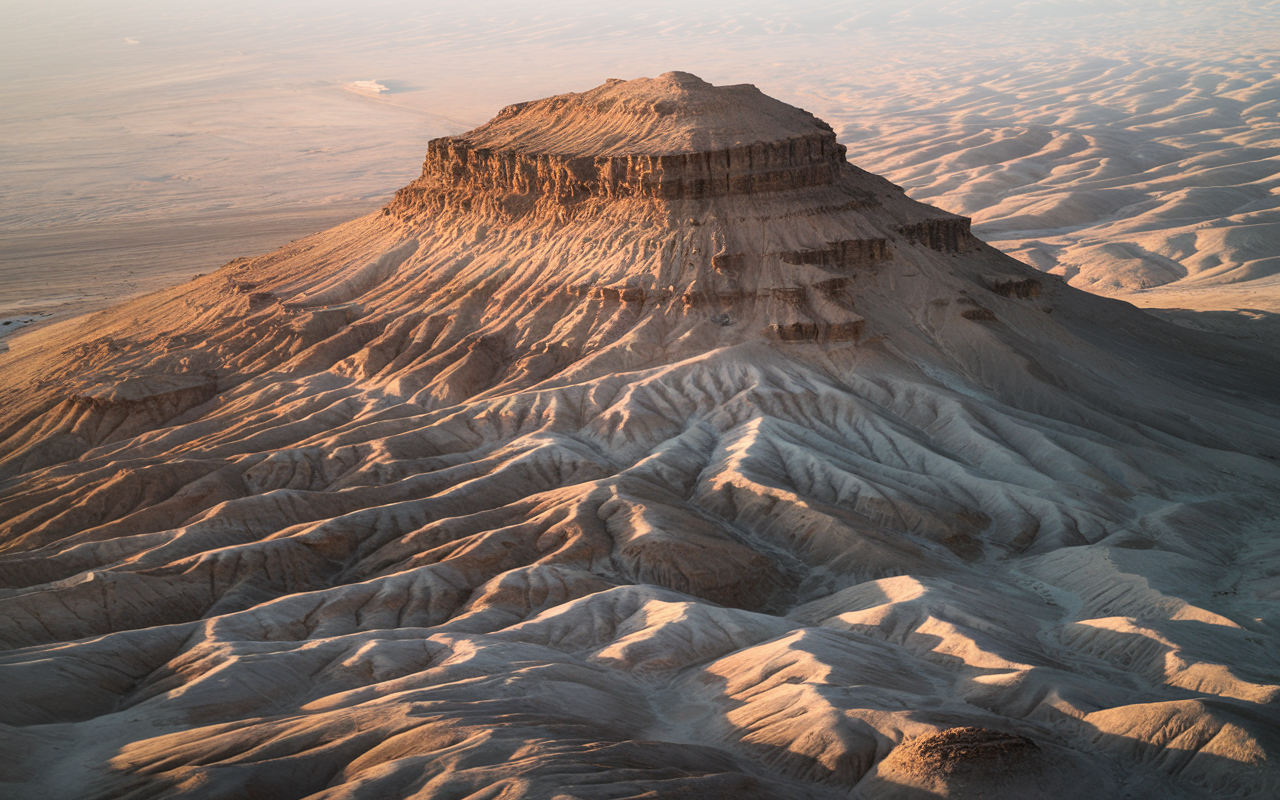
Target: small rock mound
<point x="972" y="762"/>
<point x="966" y="752"/>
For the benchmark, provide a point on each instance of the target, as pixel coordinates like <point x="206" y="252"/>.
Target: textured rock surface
<point x="556" y="480"/>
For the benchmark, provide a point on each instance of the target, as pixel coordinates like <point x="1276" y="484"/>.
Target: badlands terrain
<point x="643" y="446"/>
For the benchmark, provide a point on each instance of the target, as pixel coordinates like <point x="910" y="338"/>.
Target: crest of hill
<point x="672" y="114"/>
<point x="671" y="137"/>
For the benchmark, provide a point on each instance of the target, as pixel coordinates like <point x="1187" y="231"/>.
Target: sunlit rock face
<point x="641" y="447"/>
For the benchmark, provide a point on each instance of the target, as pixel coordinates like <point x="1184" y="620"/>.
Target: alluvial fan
<point x="642" y="447"/>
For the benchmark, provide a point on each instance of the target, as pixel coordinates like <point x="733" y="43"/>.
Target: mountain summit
<point x="673" y="114"/>
<point x="643" y="446"/>
<point x="673" y="137"/>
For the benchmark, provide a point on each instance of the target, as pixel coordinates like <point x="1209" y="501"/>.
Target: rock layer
<point x="760" y="167"/>
<point x="560" y="479"/>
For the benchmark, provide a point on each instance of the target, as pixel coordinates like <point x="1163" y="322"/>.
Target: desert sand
<point x="641" y="446"/>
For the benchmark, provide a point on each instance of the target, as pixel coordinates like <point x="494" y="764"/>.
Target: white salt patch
<point x="368" y="87"/>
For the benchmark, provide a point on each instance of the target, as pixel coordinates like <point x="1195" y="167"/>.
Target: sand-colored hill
<point x="671" y="462"/>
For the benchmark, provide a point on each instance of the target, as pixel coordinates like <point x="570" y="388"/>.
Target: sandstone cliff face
<point x="575" y="155"/>
<point x="642" y="445"/>
<point x="454" y="165"/>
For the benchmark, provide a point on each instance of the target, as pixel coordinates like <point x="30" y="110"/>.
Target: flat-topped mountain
<point x="643" y="446"/>
<point x="671" y="137"/>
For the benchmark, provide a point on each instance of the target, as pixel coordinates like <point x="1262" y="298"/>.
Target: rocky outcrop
<point x="946" y="234"/>
<point x="846" y="254"/>
<point x="618" y="294"/>
<point x="979" y="314"/>
<point x="453" y="167"/>
<point x="845" y="331"/>
<point x="979" y="762"/>
<point x="1015" y="287"/>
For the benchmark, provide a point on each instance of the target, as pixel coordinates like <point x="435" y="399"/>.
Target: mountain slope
<point x="642" y="445"/>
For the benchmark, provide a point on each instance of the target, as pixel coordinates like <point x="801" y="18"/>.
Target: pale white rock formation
<point x="643" y="446"/>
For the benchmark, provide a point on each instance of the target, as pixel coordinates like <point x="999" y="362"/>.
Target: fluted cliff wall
<point x="453" y="164"/>
<point x="948" y="234"/>
<point x="845" y="254"/>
